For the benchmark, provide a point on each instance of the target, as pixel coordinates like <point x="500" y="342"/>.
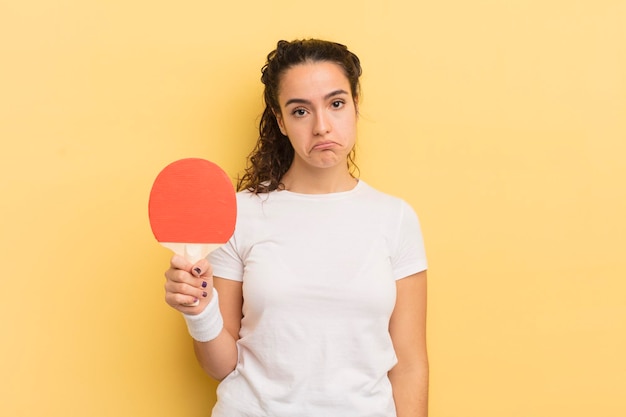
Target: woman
<point x="322" y="289"/>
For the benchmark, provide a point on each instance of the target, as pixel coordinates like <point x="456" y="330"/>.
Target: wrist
<point x="207" y="325"/>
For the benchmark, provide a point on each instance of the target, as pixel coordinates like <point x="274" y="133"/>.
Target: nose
<point x="322" y="124"/>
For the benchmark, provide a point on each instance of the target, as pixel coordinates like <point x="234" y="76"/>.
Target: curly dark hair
<point x="273" y="153"/>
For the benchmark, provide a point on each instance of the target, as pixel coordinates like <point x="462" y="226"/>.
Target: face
<point x="318" y="114"/>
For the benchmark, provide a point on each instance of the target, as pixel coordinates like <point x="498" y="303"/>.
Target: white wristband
<point x="207" y="325"/>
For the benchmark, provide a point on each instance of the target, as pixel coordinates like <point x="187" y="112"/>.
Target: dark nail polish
<point x="197" y="270"/>
<point x="204" y="284"/>
<point x="204" y="294"/>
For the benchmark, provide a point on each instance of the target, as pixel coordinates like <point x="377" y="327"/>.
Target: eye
<point x="299" y="112"/>
<point x="337" y="104"/>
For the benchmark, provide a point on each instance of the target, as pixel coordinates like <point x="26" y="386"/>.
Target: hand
<point x="186" y="282"/>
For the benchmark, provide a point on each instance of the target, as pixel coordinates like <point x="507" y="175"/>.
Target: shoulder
<point x="251" y="206"/>
<point x="247" y="198"/>
<point x="382" y="200"/>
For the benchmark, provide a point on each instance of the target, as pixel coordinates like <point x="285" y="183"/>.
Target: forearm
<point x="410" y="390"/>
<point x="214" y="345"/>
<point x="218" y="357"/>
<point x="409" y="378"/>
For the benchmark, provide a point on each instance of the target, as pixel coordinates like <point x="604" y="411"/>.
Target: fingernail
<point x="204" y="284"/>
<point x="204" y="294"/>
<point x="198" y="270"/>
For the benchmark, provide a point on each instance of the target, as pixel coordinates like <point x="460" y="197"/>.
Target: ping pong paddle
<point x="192" y="208"/>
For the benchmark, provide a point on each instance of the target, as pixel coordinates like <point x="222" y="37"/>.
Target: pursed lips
<point x="320" y="146"/>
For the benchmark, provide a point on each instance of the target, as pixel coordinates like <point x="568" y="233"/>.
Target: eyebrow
<point x="326" y="97"/>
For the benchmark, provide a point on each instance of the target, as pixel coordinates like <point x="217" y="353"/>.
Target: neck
<point x="318" y="181"/>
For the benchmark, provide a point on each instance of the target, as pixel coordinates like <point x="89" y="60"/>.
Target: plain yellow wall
<point x="502" y="122"/>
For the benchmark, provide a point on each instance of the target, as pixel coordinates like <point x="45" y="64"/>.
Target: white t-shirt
<point x="318" y="275"/>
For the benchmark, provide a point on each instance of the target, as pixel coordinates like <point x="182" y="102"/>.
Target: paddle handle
<point x="193" y="252"/>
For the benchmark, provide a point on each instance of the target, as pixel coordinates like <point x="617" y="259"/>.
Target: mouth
<point x="320" y="146"/>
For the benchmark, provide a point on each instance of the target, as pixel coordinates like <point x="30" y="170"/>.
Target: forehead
<point x="311" y="80"/>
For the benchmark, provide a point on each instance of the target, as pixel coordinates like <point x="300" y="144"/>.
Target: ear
<point x="280" y="122"/>
<point x="356" y="105"/>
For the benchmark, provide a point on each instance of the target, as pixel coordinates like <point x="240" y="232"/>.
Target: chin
<point x="329" y="164"/>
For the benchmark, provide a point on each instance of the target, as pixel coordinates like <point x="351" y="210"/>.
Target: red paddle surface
<point x="192" y="201"/>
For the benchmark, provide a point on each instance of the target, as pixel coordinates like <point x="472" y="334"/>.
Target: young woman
<point x="322" y="289"/>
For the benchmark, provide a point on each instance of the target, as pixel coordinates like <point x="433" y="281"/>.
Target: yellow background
<point x="502" y="122"/>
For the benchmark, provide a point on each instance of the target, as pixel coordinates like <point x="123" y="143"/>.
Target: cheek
<point x="349" y="128"/>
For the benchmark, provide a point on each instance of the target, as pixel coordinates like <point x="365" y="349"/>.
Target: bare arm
<point x="218" y="357"/>
<point x="186" y="283"/>
<point x="409" y="378"/>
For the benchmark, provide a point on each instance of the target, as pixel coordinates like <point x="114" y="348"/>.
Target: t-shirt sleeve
<point x="409" y="255"/>
<point x="226" y="261"/>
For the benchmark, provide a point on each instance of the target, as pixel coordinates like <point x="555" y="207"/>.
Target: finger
<point x="180" y="300"/>
<point x="187" y="299"/>
<point x="189" y="286"/>
<point x="196" y="287"/>
<point x="179" y="262"/>
<point x="202" y="268"/>
<point x="176" y="280"/>
<point x="179" y="275"/>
